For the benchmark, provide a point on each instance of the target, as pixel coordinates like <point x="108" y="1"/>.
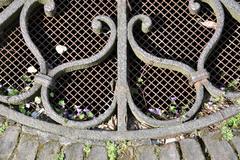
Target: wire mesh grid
<point x="71" y="27"/>
<point x="153" y="88"/>
<point x="175" y="34"/>
<point x="91" y="89"/>
<point x="223" y="64"/>
<point x="16" y="58"/>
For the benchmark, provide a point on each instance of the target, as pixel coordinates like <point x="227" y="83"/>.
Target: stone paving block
<point x="2" y="119"/>
<point x="127" y="154"/>
<point x="169" y="152"/>
<point x="191" y="149"/>
<point x="74" y="152"/>
<point x="8" y="141"/>
<point x="27" y="148"/>
<point x="146" y="152"/>
<point x="98" y="153"/>
<point x="219" y="149"/>
<point x="236" y="143"/>
<point x="48" y="151"/>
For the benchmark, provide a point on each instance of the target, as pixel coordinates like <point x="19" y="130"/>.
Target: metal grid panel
<point x="223" y="64"/>
<point x="15" y="59"/>
<point x="158" y="88"/>
<point x="70" y="27"/>
<point x="175" y="34"/>
<point x="88" y="88"/>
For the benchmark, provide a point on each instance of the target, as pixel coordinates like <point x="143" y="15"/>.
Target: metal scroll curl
<point x="78" y="65"/>
<point x="45" y="78"/>
<point x="6" y="17"/>
<point x="197" y="78"/>
<point x="160" y="63"/>
<point x="234" y="8"/>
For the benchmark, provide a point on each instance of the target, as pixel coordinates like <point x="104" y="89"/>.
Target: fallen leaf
<point x="32" y="70"/>
<point x="61" y="49"/>
<point x="209" y="24"/>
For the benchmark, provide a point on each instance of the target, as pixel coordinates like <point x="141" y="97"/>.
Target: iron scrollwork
<point x="45" y="79"/>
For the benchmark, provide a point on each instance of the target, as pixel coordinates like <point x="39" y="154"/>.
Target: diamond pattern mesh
<point x="223" y="64"/>
<point x="88" y="88"/>
<point x="175" y="34"/>
<point x="159" y="86"/>
<point x="15" y="59"/>
<point x="70" y="27"/>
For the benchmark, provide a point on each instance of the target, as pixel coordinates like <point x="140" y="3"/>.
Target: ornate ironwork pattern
<point x="153" y="61"/>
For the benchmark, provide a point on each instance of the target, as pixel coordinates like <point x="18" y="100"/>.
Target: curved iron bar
<point x="78" y="65"/>
<point x="7" y="15"/>
<point x="234" y="9"/>
<point x="160" y="63"/>
<point x="155" y="133"/>
<point x="73" y="129"/>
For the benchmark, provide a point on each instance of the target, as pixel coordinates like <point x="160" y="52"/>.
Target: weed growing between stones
<point x="86" y="150"/>
<point x="112" y="150"/>
<point x="116" y="149"/>
<point x="60" y="155"/>
<point x="228" y="126"/>
<point x="3" y="127"/>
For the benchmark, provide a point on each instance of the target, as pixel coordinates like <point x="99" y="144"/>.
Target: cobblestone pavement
<point x="22" y="143"/>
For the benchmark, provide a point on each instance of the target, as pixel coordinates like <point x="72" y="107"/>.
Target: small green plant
<point x="112" y="150"/>
<point x="60" y="156"/>
<point x="13" y="92"/>
<point x="229" y="125"/>
<point x="227" y="133"/>
<point x="22" y="109"/>
<point x="233" y="85"/>
<point x="173" y="105"/>
<point x="61" y="103"/>
<point x="87" y="149"/>
<point x="3" y="127"/>
<point x="26" y="78"/>
<point x="81" y="116"/>
<point x="218" y="99"/>
<point x="90" y="114"/>
<point x="173" y="109"/>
